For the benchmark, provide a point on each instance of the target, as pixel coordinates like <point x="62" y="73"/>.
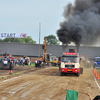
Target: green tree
<point x="19" y="40"/>
<point x="29" y="40"/>
<point x="51" y="39"/>
<point x="0" y="40"/>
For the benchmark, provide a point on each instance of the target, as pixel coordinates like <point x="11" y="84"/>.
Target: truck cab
<point x="97" y="62"/>
<point x="70" y="63"/>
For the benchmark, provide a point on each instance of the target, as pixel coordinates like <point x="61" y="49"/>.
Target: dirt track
<point x="15" y="70"/>
<point x="47" y="84"/>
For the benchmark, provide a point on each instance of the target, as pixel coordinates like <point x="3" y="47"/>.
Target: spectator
<point x="15" y="62"/>
<point x="8" y="59"/>
<point x="10" y="67"/>
<point x="5" y="59"/>
<point x="20" y="62"/>
<point x="23" y="61"/>
<point x="6" y="54"/>
<point x="10" y="56"/>
<point x="36" y="63"/>
<point x="40" y="63"/>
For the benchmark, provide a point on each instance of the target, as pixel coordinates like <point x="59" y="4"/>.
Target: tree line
<point x="51" y="40"/>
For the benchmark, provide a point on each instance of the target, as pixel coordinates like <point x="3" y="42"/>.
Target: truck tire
<point x="78" y="74"/>
<point x="59" y="69"/>
<point x="81" y="70"/>
<point x="62" y="74"/>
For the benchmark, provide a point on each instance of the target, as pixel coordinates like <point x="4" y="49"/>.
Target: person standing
<point x="39" y="63"/>
<point x="6" y="54"/>
<point x="10" y="67"/>
<point x="23" y="60"/>
<point x="36" y="63"/>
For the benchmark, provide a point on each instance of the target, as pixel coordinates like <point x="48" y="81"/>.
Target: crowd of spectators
<point x="8" y="57"/>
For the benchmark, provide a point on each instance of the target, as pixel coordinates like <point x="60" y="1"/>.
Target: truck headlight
<point x="63" y="70"/>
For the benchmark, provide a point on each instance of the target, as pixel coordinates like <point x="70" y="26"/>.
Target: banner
<point x="13" y="35"/>
<point x="71" y="95"/>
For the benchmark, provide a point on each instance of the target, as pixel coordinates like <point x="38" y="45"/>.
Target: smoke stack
<point x="81" y="24"/>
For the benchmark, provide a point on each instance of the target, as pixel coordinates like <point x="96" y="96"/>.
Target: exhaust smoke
<point x="81" y="23"/>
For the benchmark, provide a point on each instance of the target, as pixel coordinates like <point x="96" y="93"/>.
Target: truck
<point x="70" y="64"/>
<point x="97" y="62"/>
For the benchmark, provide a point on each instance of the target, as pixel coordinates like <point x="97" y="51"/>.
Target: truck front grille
<point x="69" y="66"/>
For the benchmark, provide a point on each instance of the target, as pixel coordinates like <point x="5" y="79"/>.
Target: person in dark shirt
<point x="6" y="54"/>
<point x="10" y="67"/>
<point x="40" y="63"/>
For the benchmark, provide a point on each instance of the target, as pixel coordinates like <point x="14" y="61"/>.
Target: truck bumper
<point x="66" y="70"/>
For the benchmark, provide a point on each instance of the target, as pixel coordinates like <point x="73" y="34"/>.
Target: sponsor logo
<point x="23" y="35"/>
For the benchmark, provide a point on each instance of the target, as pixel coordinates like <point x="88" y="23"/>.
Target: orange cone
<point x="95" y="73"/>
<point x="93" y="70"/>
<point x="98" y="76"/>
<point x="10" y="71"/>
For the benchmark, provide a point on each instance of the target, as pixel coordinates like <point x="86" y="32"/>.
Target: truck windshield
<point x="97" y="59"/>
<point x="70" y="59"/>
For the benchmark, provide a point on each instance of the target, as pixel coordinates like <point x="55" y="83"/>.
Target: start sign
<point x="13" y="35"/>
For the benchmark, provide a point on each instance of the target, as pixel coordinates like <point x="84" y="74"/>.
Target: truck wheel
<point x="59" y="69"/>
<point x="81" y="70"/>
<point x="78" y="74"/>
<point x="62" y="74"/>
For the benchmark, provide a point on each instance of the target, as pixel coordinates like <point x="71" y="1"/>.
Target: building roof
<point x="23" y="49"/>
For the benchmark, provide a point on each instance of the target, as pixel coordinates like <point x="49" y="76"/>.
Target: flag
<point x="71" y="95"/>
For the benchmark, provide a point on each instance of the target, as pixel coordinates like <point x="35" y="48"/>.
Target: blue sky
<point x="17" y="16"/>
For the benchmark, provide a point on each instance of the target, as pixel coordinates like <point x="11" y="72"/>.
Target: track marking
<point x="12" y="79"/>
<point x="95" y="80"/>
<point x="20" y="76"/>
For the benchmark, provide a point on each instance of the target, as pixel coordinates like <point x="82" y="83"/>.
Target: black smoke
<point x="81" y="23"/>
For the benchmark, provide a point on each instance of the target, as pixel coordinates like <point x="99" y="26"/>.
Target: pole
<point x="39" y="39"/>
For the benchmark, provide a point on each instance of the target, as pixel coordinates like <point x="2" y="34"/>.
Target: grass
<point x="32" y="64"/>
<point x="17" y="73"/>
<point x="91" y="67"/>
<point x="98" y="70"/>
